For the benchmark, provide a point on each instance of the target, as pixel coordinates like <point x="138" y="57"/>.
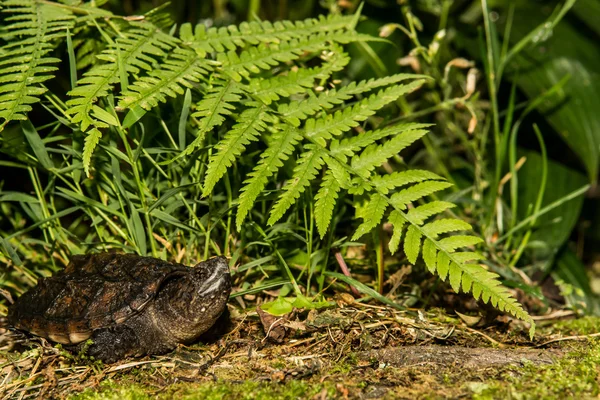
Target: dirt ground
<point x="350" y="351"/>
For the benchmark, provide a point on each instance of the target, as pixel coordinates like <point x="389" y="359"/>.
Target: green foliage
<point x="25" y="60"/>
<point x="257" y="88"/>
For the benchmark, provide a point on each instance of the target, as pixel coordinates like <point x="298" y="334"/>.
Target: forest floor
<point x="352" y="351"/>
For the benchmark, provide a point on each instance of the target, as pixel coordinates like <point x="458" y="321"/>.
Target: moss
<point x="581" y="326"/>
<point x="110" y="390"/>
<point x="573" y="376"/>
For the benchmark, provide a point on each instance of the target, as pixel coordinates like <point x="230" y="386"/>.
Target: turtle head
<point x="190" y="304"/>
<point x="211" y="284"/>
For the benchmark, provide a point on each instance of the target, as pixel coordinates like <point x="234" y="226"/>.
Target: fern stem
<point x="99" y="12"/>
<point x="378" y="241"/>
<point x="229" y="213"/>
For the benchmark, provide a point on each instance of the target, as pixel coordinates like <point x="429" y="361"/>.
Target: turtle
<point x="127" y="304"/>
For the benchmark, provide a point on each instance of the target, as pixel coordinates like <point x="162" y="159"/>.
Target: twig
<point x="346" y="271"/>
<point x="578" y="337"/>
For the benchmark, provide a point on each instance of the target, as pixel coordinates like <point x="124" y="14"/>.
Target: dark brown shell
<point x="93" y="291"/>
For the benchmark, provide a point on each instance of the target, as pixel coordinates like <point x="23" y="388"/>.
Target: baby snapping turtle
<point x="127" y="304"/>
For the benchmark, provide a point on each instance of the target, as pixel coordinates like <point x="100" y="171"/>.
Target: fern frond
<point x="279" y="150"/>
<point x="263" y="57"/>
<point x="295" y="112"/>
<point x="251" y="123"/>
<point x="25" y="63"/>
<point x="306" y="169"/>
<point x="207" y="40"/>
<point x="212" y="109"/>
<point x="272" y="89"/>
<point x="180" y="70"/>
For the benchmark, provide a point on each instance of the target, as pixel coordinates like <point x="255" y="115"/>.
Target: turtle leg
<point x="113" y="344"/>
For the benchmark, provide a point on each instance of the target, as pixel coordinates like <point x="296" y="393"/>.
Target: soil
<point x="350" y="351"/>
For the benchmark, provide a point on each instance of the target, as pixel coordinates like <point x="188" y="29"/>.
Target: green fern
<point x="25" y="63"/>
<point x="208" y="40"/>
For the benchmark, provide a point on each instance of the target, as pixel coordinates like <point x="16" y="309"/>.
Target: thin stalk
<point x="140" y="187"/>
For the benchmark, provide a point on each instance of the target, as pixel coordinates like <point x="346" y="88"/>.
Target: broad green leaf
<point x="568" y="51"/>
<point x="278" y="307"/>
<point x="554" y="227"/>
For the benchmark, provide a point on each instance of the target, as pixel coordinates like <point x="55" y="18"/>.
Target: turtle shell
<point x="92" y="292"/>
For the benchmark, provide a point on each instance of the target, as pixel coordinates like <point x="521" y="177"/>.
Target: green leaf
<point x="183" y="118"/>
<point x="430" y="255"/>
<point x="445" y="225"/>
<point x="139" y="233"/>
<point x="104" y="116"/>
<point x="452" y="243"/>
<point x="278" y="307"/>
<point x="133" y="116"/>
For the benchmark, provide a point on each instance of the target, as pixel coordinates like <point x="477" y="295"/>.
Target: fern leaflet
<point x="325" y="202"/>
